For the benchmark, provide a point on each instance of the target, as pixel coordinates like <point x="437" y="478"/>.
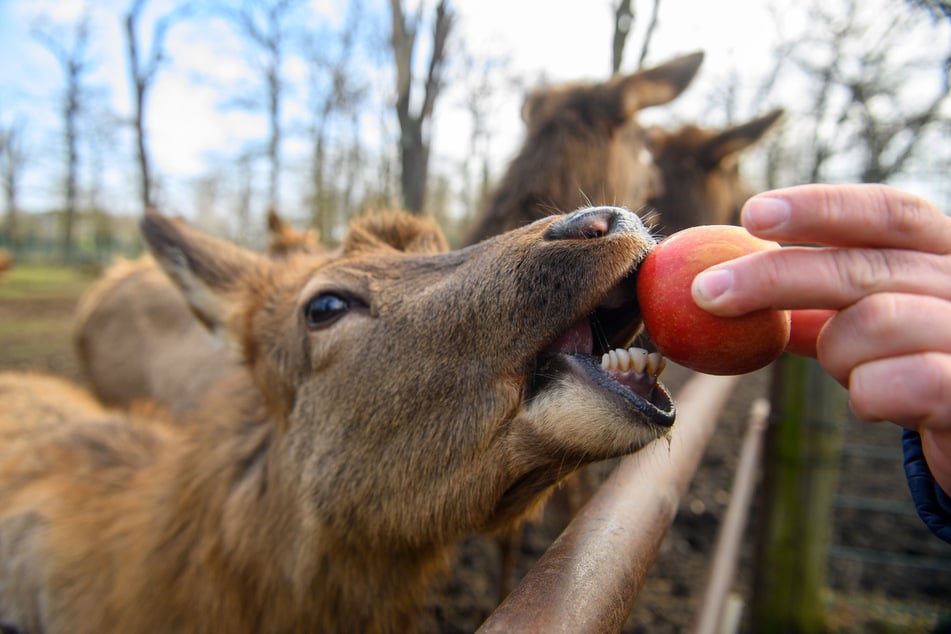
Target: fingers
<point x="910" y="391"/>
<point x="848" y="215"/>
<point x="827" y="278"/>
<point x="936" y="445"/>
<point x="881" y="326"/>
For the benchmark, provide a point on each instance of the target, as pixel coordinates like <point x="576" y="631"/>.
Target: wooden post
<point x="800" y="476"/>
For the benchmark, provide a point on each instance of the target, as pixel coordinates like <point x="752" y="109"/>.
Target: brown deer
<point x="701" y="181"/>
<point x="137" y="339"/>
<point x="583" y="146"/>
<point x="396" y="397"/>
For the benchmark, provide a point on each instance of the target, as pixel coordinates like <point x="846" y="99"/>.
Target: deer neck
<point x="245" y="524"/>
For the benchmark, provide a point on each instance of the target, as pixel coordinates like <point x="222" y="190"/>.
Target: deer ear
<point x="284" y="239"/>
<point x="658" y="85"/>
<point x="398" y="231"/>
<point x="735" y="139"/>
<point x="209" y="271"/>
<point x="655" y="139"/>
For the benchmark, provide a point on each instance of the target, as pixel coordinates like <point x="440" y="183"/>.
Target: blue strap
<point x="932" y="503"/>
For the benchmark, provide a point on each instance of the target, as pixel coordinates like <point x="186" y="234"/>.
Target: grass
<point x="878" y="614"/>
<point x="37" y="281"/>
<point x="37" y="308"/>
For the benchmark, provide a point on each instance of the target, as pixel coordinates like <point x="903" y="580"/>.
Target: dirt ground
<point x="887" y="573"/>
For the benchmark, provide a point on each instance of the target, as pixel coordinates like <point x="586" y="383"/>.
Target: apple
<point x="804" y="330"/>
<point x="685" y="333"/>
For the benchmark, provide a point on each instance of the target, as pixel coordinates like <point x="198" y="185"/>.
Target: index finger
<point x="824" y="277"/>
<point x="848" y="215"/>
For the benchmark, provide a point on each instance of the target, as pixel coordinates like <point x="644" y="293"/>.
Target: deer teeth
<point x="636" y="359"/>
<point x="656" y="362"/>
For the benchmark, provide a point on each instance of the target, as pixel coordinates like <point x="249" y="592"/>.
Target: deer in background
<point x="583" y="146"/>
<point x="699" y="168"/>
<point x="382" y="414"/>
<point x="137" y="339"/>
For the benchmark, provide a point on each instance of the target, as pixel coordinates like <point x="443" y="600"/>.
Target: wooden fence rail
<point x="730" y="537"/>
<point x="588" y="579"/>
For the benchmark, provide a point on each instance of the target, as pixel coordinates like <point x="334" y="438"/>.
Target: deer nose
<point x="595" y="222"/>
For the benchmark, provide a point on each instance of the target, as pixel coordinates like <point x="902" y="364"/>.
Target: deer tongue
<point x="576" y="340"/>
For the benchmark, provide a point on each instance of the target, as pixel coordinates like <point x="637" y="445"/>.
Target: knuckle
<point x="880" y="315"/>
<point x="864" y="271"/>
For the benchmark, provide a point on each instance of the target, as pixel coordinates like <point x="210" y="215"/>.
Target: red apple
<point x="689" y="335"/>
<point x="805" y="328"/>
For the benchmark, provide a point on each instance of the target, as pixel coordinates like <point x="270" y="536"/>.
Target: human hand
<point x="884" y="267"/>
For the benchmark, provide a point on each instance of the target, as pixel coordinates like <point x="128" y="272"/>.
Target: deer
<point x="137" y="339"/>
<point x="381" y="413"/>
<point x="701" y="182"/>
<point x="583" y="146"/>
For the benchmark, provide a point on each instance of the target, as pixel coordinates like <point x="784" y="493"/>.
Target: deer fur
<point x="583" y="146"/>
<point x="701" y="181"/>
<point x="136" y="338"/>
<point x="396" y="397"/>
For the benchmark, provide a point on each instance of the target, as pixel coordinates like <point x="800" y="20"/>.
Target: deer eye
<point x="324" y="309"/>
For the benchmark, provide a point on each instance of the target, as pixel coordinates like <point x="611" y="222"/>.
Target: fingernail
<point x="709" y="285"/>
<point x="764" y="213"/>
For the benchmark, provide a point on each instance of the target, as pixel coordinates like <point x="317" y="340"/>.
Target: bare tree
<point x="244" y="193"/>
<point x="482" y="81"/>
<point x="72" y="54"/>
<point x="415" y="138"/>
<point x="937" y="8"/>
<point x="12" y="160"/>
<point x="859" y="86"/>
<point x="336" y="94"/>
<point x="143" y="70"/>
<point x="623" y="21"/>
<point x="649" y="33"/>
<point x="269" y="25"/>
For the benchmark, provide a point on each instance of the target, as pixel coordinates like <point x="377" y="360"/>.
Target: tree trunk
<point x="414" y="161"/>
<point x="801" y="465"/>
<point x="12" y="158"/>
<point x="623" y="21"/>
<point x="414" y="142"/>
<point x="70" y="114"/>
<point x="274" y="139"/>
<point x="140" y="82"/>
<point x="145" y="169"/>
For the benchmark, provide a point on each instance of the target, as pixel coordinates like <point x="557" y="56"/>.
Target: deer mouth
<point x="595" y="349"/>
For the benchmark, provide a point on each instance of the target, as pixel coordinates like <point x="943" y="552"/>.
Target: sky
<point x="559" y="40"/>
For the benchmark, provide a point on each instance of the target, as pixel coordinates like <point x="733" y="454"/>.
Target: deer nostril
<point x="596" y="229"/>
<point x="585" y="225"/>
